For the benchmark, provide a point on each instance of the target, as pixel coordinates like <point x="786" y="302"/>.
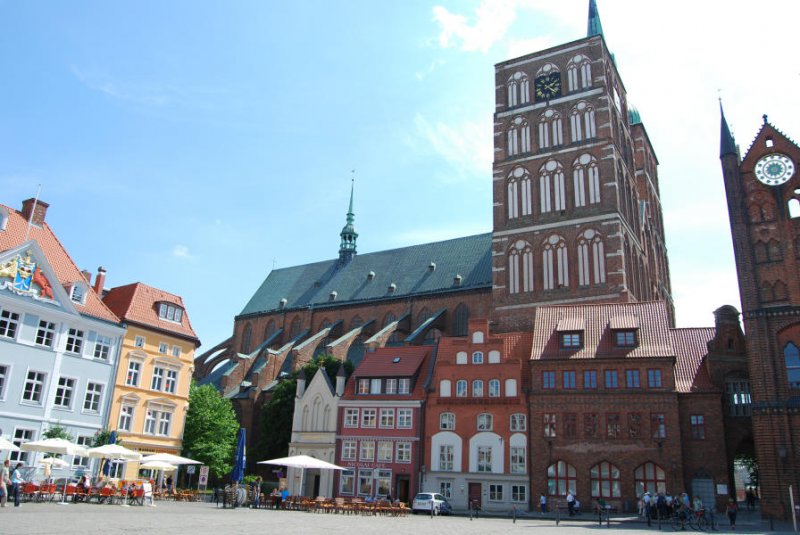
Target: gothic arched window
<point x="586" y="180"/>
<point x="520" y="268"/>
<point x="579" y="73"/>
<point x="555" y="266"/>
<point x="518" y="89"/>
<point x="605" y="480"/>
<point x="519" y="137"/>
<point x="791" y="355"/>
<point x="294" y="330"/>
<point x="460" y="318"/>
<point x="591" y="258"/>
<point x="561" y="478"/>
<point x="581" y="119"/>
<point x="519" y="192"/>
<point x="247" y="335"/>
<point x="552" y="194"/>
<point x="550" y="134"/>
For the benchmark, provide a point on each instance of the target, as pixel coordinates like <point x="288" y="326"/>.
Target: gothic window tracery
<point x="791" y="355"/>
<point x="582" y="124"/>
<point x="519" y="192"/>
<point x="518" y="137"/>
<point x="586" y="180"/>
<point x="520" y="268"/>
<point x="550" y="131"/>
<point x="555" y="265"/>
<point x="518" y="89"/>
<point x="579" y="73"/>
<point x="460" y="319"/>
<point x="552" y="194"/>
<point x="591" y="258"/>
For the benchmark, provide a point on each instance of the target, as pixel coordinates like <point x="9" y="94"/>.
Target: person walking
<point x="571" y="503"/>
<point x="16" y="481"/>
<point x="5" y="481"/>
<point x="732" y="508"/>
<point x="543" y="503"/>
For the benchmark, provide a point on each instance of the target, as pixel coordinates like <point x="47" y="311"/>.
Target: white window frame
<point x="403" y="453"/>
<point x="139" y="341"/>
<point x="494" y="388"/>
<point x="134" y="374"/>
<point x="484" y="459"/>
<point x="20" y="436"/>
<point x="404" y="385"/>
<point x="351" y="418"/>
<point x="10" y="323"/>
<point x="405" y="418"/>
<point x="75" y="339"/>
<point x="391" y="386"/>
<point x="176" y="351"/>
<point x="517" y="460"/>
<point x="65" y="392"/>
<point x="347" y="482"/>
<point x="93" y="396"/>
<point x="348" y="450"/>
<point x="126" y="413"/>
<point x="485" y="422"/>
<point x="496" y="492"/>
<point x="519" y="422"/>
<point x="170" y="312"/>
<point x="461" y="388"/>
<point x="36" y="398"/>
<point x="157" y="380"/>
<point x="447" y="421"/>
<point x="385" y="451"/>
<point x="477" y="357"/>
<point x="171" y="381"/>
<point x="366" y="450"/>
<point x="386" y="420"/>
<point x="45" y="333"/>
<point x="5" y="373"/>
<point x="102" y="347"/>
<point x="163" y="347"/>
<point x="369" y="418"/>
<point x="446" y="458"/>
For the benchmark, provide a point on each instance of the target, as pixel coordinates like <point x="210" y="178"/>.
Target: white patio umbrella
<point x="158" y="465"/>
<point x="50" y="463"/>
<point x="169" y="458"/>
<point x="55" y="445"/>
<point x="114" y="451"/>
<point x="6" y="444"/>
<point x="303" y="462"/>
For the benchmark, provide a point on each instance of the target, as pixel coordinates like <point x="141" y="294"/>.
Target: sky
<point x="195" y="145"/>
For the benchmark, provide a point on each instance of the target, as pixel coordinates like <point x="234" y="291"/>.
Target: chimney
<point x="100" y="281"/>
<point x="87" y="275"/>
<point x="35" y="207"/>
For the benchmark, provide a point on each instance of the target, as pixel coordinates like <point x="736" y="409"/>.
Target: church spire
<point x="727" y="145"/>
<point x="349" y="235"/>
<point x="594" y="26"/>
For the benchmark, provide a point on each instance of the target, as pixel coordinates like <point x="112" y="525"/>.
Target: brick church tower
<point x="763" y="193"/>
<point x="577" y="210"/>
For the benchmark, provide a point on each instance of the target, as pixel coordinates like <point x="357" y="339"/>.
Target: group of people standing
<point x="10" y="483"/>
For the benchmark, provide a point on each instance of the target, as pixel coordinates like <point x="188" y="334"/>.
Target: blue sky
<point x="194" y="145"/>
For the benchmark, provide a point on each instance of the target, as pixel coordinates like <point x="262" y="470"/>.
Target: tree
<point x="277" y="414"/>
<point x="209" y="435"/>
<point x="57" y="431"/>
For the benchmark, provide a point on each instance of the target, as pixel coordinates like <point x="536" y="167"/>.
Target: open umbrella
<point x="237" y="474"/>
<point x="169" y="458"/>
<point x="55" y="445"/>
<point x="114" y="451"/>
<point x="54" y="462"/>
<point x="158" y="465"/>
<point x="6" y="444"/>
<point x="303" y="462"/>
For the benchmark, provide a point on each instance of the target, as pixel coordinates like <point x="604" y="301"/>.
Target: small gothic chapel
<point x="763" y="191"/>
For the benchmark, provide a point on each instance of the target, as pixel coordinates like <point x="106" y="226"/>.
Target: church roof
<point x="416" y="270"/>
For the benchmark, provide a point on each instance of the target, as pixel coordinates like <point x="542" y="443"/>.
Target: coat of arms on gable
<point x="23" y="276"/>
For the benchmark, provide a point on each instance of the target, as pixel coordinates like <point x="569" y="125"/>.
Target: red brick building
<point x="764" y="208"/>
<point x="476" y="420"/>
<point x="381" y="422"/>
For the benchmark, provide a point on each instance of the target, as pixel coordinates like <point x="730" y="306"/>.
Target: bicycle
<point x="700" y="521"/>
<point x="680" y="520"/>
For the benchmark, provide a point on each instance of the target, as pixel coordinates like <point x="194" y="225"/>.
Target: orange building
<point x="151" y="392"/>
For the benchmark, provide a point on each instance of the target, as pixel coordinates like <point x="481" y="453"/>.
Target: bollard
<point x="432" y="505"/>
<point x="514" y="514"/>
<point x="558" y="515"/>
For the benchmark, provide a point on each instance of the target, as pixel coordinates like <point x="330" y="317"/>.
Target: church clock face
<point x="548" y="86"/>
<point x="774" y="169"/>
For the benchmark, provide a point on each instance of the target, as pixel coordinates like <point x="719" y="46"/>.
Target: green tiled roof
<point x="368" y="277"/>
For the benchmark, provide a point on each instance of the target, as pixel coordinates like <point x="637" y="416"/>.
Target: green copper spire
<point x="349" y="235"/>
<point x="594" y="27"/>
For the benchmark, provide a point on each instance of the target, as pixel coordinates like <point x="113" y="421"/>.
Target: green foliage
<point x="58" y="431"/>
<point x="750" y="465"/>
<point x="103" y="437"/>
<point x="277" y="414"/>
<point x="210" y="432"/>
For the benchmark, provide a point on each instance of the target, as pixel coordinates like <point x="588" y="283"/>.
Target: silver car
<point x="425" y="501"/>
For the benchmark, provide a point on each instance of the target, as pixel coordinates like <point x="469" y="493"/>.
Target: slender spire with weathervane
<point x="349" y="235"/>
<point x="727" y="145"/>
<point x="594" y="27"/>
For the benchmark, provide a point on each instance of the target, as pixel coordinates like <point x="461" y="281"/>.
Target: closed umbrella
<point x="112" y="439"/>
<point x="237" y="474"/>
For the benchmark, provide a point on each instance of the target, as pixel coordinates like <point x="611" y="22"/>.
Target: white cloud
<point x="181" y="251"/>
<point x="492" y="20"/>
<point x="466" y="146"/>
<point x="419" y="75"/>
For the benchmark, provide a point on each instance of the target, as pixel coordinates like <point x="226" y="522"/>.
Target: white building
<point x="59" y="344"/>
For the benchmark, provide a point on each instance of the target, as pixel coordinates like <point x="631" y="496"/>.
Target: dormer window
<point x="77" y="293"/>
<point x="170" y="312"/>
<point x="625" y="338"/>
<point x="572" y="340"/>
<point x="3" y="218"/>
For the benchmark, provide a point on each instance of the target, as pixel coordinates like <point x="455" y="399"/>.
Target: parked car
<point x="424" y="501"/>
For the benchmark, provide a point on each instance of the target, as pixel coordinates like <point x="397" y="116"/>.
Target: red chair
<point x="30" y="491"/>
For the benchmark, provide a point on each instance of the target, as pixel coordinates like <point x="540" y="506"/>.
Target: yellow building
<point x="151" y="391"/>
